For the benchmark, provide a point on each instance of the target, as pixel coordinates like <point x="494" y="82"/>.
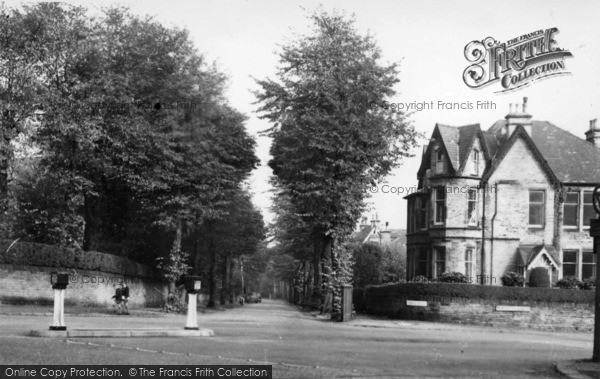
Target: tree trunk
<point x="212" y="280"/>
<point x="326" y="259"/>
<point x="90" y="224"/>
<point x="223" y="298"/>
<point x="177" y="240"/>
<point x="317" y="278"/>
<point x="230" y="280"/>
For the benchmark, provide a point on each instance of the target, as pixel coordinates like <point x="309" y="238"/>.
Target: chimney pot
<point x="593" y="124"/>
<point x="524" y="104"/>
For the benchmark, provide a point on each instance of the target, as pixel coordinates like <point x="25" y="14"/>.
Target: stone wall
<point x="544" y="315"/>
<point x="31" y="284"/>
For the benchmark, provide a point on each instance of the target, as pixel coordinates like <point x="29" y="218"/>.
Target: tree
<point x="329" y="144"/>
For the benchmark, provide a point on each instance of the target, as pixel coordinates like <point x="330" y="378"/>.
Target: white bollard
<point x="58" y="322"/>
<point x="192" y="316"/>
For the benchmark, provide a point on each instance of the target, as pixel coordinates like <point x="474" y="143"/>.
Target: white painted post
<point x="192" y="316"/>
<point x="56" y="320"/>
<point x="62" y="307"/>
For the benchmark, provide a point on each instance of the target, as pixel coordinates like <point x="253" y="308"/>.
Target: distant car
<point x="253" y="297"/>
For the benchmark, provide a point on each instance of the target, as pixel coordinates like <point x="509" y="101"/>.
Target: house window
<point x="410" y="215"/>
<point x="472" y="207"/>
<point x="475" y="162"/>
<point x="536" y="208"/>
<point x="469" y="263"/>
<point x="571" y="209"/>
<point x="440" y="205"/>
<point x="588" y="265"/>
<point x="439" y="161"/>
<point x="588" y="208"/>
<point x="421" y="268"/>
<point x="440" y="261"/>
<point x="569" y="263"/>
<point x="423" y="210"/>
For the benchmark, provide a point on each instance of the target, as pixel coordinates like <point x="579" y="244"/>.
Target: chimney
<point x="515" y="118"/>
<point x="375" y="223"/>
<point x="593" y="135"/>
<point x="385" y="236"/>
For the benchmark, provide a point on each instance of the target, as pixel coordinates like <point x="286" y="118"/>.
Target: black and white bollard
<point x="192" y="286"/>
<point x="59" y="285"/>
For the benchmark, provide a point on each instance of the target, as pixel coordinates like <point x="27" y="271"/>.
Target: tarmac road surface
<point x="299" y="344"/>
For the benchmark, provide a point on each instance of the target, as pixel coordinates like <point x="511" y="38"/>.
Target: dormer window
<point x="475" y="162"/>
<point x="439" y="161"/>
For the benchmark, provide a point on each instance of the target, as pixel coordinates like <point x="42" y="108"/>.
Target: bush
<point x="513" y="279"/>
<point x="416" y="291"/>
<point x="453" y="277"/>
<point x="589" y="284"/>
<point x="569" y="283"/>
<point x="539" y="278"/>
<point x="35" y="254"/>
<point x="420" y="279"/>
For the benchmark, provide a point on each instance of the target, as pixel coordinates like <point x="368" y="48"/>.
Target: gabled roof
<point x="505" y="147"/>
<point x="572" y="159"/>
<point x="450" y="139"/>
<point x="564" y="157"/>
<point x="361" y="235"/>
<point x="528" y="254"/>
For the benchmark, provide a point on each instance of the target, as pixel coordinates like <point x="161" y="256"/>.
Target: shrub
<point x="513" y="279"/>
<point x="35" y="254"/>
<point x="539" y="278"/>
<point x="416" y="291"/>
<point x="569" y="283"/>
<point x="589" y="284"/>
<point x="420" y="279"/>
<point x="453" y="277"/>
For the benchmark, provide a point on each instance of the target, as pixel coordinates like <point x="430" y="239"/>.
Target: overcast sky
<point x="427" y="38"/>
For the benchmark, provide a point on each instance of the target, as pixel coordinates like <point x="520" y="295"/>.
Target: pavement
<point x="301" y="344"/>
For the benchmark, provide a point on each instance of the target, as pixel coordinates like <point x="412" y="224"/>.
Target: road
<point x="299" y="344"/>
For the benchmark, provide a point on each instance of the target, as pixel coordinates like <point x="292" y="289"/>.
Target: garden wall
<point x="25" y="270"/>
<point x="536" y="308"/>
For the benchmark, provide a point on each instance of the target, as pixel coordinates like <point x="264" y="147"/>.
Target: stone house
<point x="511" y="198"/>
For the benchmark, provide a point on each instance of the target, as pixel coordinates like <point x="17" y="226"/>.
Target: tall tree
<point x="329" y="144"/>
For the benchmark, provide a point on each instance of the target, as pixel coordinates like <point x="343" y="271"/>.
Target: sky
<point x="427" y="39"/>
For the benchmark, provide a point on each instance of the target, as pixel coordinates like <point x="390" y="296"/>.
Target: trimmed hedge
<point x="35" y="254"/>
<point x="476" y="291"/>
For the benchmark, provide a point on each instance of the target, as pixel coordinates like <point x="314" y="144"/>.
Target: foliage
<point x="476" y="291"/>
<point x="539" y="277"/>
<point x="512" y="279"/>
<point x="453" y="277"/>
<point x="367" y="265"/>
<point x="329" y="144"/>
<point x="569" y="282"/>
<point x="175" y="266"/>
<point x="68" y="258"/>
<point x="420" y="279"/>
<point x="589" y="284"/>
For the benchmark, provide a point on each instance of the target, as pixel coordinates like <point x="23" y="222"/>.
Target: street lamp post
<point x="595" y="233"/>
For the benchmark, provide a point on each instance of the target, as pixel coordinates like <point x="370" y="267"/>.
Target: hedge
<point x="35" y="254"/>
<point x="476" y="291"/>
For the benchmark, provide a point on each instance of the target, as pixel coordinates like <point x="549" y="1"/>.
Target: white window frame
<point x="583" y="226"/>
<point x="473" y="220"/>
<point x="423" y="212"/>
<point x="469" y="261"/>
<point x="475" y="162"/>
<point x="543" y="205"/>
<point x="578" y="207"/>
<point x="439" y="161"/>
<point x="435" y="206"/>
